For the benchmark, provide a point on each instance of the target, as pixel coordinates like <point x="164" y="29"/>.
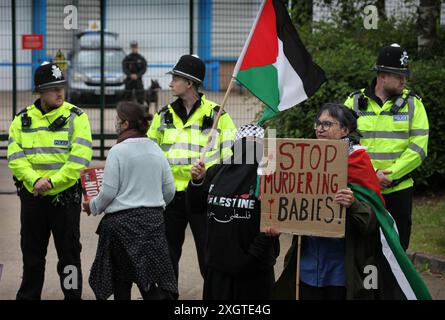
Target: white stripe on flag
<point x="289" y="82"/>
<point x="396" y="270"/>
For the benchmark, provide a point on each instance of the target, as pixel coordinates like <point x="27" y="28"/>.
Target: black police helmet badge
<point x="48" y="75"/>
<point x="393" y="59"/>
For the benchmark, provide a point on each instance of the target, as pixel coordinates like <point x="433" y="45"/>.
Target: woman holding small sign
<point x="331" y="268"/>
<point x="239" y="258"/>
<point x="137" y="185"/>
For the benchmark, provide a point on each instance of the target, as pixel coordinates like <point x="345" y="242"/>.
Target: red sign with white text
<point x="32" y="41"/>
<point x="91" y="179"/>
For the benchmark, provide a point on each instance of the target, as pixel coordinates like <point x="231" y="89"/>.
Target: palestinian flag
<point x="366" y="189"/>
<point x="274" y="65"/>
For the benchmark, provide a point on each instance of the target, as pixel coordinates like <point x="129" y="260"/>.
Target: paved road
<point x="190" y="281"/>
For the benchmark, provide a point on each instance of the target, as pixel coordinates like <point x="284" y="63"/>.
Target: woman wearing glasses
<point x="334" y="269"/>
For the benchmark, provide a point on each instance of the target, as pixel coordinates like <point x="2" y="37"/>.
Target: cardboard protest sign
<point x="91" y="179"/>
<point x="299" y="179"/>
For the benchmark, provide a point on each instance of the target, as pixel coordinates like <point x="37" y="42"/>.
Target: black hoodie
<point x="227" y="195"/>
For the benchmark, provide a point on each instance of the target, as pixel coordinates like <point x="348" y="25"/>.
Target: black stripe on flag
<point x="310" y="73"/>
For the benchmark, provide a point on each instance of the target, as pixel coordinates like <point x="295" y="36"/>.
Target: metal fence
<point x="164" y="29"/>
<point x="79" y="34"/>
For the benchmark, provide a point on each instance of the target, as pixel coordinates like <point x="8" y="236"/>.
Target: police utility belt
<point x="69" y="196"/>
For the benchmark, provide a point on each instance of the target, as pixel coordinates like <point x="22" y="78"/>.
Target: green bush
<point x="347" y="56"/>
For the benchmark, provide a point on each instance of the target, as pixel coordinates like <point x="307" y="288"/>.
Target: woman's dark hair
<point x="133" y="113"/>
<point x="344" y="115"/>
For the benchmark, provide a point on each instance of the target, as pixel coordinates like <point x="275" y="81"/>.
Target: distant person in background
<point x="134" y="66"/>
<point x="137" y="186"/>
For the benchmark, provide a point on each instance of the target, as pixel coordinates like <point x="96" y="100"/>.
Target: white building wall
<point x="161" y="27"/>
<point x="397" y="8"/>
<point x="23" y="26"/>
<point x="57" y="36"/>
<point x="231" y="24"/>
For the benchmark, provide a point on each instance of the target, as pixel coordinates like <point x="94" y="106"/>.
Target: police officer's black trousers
<point x="176" y="219"/>
<point x="399" y="204"/>
<point x="39" y="218"/>
<point x="136" y="85"/>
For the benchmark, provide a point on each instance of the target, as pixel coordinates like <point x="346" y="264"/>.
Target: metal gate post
<point x="14" y="60"/>
<point x="102" y="79"/>
<point x="191" y="16"/>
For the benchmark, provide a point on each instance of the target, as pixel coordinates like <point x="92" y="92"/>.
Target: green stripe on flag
<point x="268" y="114"/>
<point x="386" y="223"/>
<point x="263" y="83"/>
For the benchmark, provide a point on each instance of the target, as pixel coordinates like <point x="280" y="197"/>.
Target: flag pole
<point x="232" y="81"/>
<point x="297" y="293"/>
<point x="215" y="123"/>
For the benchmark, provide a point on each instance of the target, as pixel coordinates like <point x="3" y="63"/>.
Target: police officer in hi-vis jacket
<point x="181" y="129"/>
<point x="49" y="142"/>
<point x="394" y="125"/>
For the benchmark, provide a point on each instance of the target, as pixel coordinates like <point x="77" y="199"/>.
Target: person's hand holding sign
<point x="272" y="232"/>
<point x="345" y="197"/>
<point x="198" y="171"/>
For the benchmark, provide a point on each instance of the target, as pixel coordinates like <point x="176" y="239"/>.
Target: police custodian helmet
<point x="48" y="75"/>
<point x="190" y="67"/>
<point x="393" y="59"/>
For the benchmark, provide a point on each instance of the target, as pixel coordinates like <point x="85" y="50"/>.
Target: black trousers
<point x="136" y="85"/>
<point x="39" y="218"/>
<point x="308" y="292"/>
<point x="256" y="285"/>
<point x="400" y="204"/>
<point x="176" y="218"/>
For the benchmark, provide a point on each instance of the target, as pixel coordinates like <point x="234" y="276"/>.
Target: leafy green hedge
<point x="347" y="56"/>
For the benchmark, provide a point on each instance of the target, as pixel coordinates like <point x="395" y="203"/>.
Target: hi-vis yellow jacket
<point x="183" y="143"/>
<point x="37" y="152"/>
<point x="396" y="142"/>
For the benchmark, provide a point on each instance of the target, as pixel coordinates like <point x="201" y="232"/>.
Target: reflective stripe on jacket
<point x="396" y="142"/>
<point x="36" y="152"/>
<point x="183" y="143"/>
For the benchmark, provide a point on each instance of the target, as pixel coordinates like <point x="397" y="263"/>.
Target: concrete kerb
<point x="435" y="263"/>
<point x="8" y="191"/>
